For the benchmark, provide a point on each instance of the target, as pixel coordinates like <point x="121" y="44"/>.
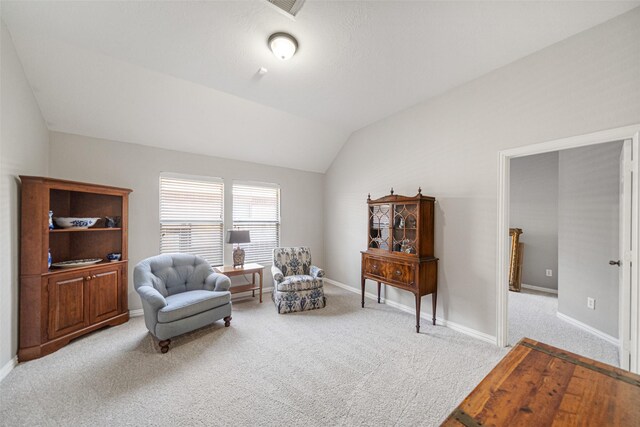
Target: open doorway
<point x="567" y="205"/>
<point x="627" y="292"/>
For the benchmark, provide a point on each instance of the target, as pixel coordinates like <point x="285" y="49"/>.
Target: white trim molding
<point x="502" y="248"/>
<point x="242" y="295"/>
<point x="8" y="367"/>
<point x="593" y="331"/>
<point x="425" y="316"/>
<point x="356" y="291"/>
<point x="540" y="289"/>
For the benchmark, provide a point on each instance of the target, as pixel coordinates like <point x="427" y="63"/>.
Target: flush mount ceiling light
<point x="283" y="45"/>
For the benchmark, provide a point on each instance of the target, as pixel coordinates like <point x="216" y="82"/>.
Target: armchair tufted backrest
<point x="172" y="273"/>
<point x="292" y="261"/>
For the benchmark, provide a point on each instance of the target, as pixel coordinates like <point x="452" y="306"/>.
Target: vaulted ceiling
<point x="183" y="75"/>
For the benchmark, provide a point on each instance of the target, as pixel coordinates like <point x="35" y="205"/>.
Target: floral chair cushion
<point x="292" y="261"/>
<point x="298" y="283"/>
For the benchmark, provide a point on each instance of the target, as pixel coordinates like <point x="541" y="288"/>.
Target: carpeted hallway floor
<point x="341" y="365"/>
<point x="534" y="314"/>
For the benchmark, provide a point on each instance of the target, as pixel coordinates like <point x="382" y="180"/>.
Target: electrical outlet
<point x="549" y="273"/>
<point x="591" y="303"/>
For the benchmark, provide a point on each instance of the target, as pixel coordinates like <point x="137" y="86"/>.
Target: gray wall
<point x="588" y="224"/>
<point x="449" y="146"/>
<point x="24" y="150"/>
<point x="138" y="167"/>
<point x="533" y="207"/>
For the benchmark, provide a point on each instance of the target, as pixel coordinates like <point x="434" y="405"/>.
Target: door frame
<point x="502" y="289"/>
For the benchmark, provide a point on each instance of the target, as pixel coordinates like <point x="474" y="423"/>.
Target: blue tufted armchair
<point x="180" y="293"/>
<point x="297" y="284"/>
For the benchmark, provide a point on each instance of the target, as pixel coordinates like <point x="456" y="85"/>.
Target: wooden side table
<point x="230" y="271"/>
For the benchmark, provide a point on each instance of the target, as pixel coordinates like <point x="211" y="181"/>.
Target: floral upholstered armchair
<point x="297" y="284"/>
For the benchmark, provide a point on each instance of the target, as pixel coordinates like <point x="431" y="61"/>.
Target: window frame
<point x="221" y="221"/>
<point x="278" y="223"/>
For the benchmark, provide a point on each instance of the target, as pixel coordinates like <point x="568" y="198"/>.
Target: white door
<point x="625" y="255"/>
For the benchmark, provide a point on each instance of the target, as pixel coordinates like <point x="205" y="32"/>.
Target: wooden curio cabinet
<point x="60" y="304"/>
<point x="400" y="247"/>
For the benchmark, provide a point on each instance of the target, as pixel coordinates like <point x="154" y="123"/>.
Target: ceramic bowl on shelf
<point x="72" y="222"/>
<point x="114" y="256"/>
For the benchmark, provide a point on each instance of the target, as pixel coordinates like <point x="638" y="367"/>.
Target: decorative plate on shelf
<point x="76" y="263"/>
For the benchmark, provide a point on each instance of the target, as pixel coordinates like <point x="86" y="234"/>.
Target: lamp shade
<point x="238" y="236"/>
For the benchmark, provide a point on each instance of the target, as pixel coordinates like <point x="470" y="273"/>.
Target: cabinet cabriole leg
<point x="418" y="313"/>
<point x="434" y="300"/>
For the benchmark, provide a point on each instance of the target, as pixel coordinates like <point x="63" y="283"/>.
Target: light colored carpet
<point x="533" y="314"/>
<point x="341" y="365"/>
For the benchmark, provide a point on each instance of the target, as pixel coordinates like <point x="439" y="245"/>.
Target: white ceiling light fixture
<point x="283" y="45"/>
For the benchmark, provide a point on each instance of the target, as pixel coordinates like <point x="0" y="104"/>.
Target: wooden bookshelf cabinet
<point x="400" y="247"/>
<point x="60" y="304"/>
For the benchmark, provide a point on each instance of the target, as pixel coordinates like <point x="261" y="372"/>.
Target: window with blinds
<point x="256" y="207"/>
<point x="191" y="217"/>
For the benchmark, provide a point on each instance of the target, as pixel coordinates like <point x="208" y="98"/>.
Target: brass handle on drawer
<point x="94" y="277"/>
<point x="87" y="278"/>
<point x="398" y="272"/>
<point x="374" y="266"/>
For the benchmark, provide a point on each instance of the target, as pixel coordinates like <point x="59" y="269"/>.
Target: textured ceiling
<point x="183" y="75"/>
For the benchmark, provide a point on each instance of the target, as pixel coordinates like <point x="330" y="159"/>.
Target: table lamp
<point x="237" y="237"/>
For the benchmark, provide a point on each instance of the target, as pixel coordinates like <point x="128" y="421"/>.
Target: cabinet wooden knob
<point x="398" y="272"/>
<point x="94" y="277"/>
<point x="87" y="278"/>
<point x="375" y="266"/>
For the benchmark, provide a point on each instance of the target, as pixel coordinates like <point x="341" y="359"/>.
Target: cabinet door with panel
<point x="104" y="294"/>
<point x="66" y="304"/>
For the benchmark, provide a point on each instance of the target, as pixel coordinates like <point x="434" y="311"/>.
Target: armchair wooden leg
<point x="227" y="321"/>
<point x="164" y="345"/>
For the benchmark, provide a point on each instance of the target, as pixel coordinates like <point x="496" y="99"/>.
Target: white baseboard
<point x="354" y="290"/>
<point x="136" y="313"/>
<point x="540" y="289"/>
<point x="426" y="316"/>
<point x="590" y="329"/>
<point x="491" y="339"/>
<point x="446" y="323"/>
<point x="265" y="291"/>
<point x="241" y="295"/>
<point x="8" y="367"/>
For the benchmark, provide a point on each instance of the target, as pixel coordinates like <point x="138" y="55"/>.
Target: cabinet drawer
<point x="397" y="272"/>
<point x="374" y="266"/>
<point x="388" y="270"/>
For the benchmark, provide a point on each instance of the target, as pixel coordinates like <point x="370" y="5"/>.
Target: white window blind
<point x="256" y="208"/>
<point x="191" y="217"/>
